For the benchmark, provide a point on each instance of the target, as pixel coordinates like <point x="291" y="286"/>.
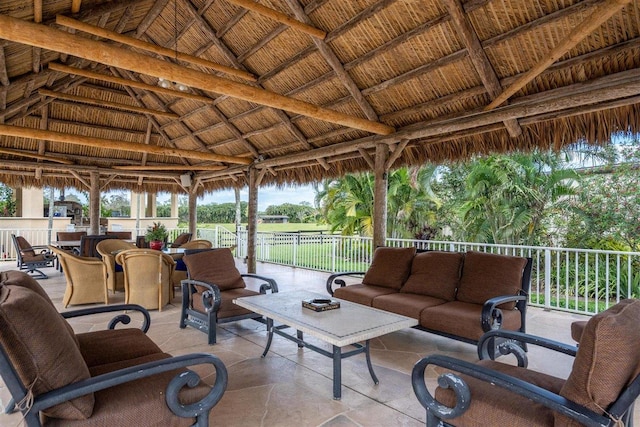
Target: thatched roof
<point x="302" y="89"/>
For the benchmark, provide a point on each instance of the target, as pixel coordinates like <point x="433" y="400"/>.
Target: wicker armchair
<point x="147" y="277"/>
<point x="600" y="390"/>
<point x="32" y="258"/>
<point x="108" y="249"/>
<point x="86" y="278"/>
<point x="115" y="377"/>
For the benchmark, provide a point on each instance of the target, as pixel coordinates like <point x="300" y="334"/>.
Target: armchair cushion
<point x="217" y="267"/>
<point x="108" y="346"/>
<point x="603" y="368"/>
<point x="55" y="358"/>
<point x="227" y="307"/>
<point x="435" y="274"/>
<point x="485" y="276"/>
<point x="390" y="267"/>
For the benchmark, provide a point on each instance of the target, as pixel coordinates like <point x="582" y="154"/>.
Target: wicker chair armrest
<point x="515" y="385"/>
<point x="270" y="285"/>
<point x="341" y="283"/>
<point x="135" y="373"/>
<point x="492" y="315"/>
<point x="122" y="318"/>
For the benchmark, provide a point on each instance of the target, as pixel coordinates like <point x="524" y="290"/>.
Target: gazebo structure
<point x="189" y="96"/>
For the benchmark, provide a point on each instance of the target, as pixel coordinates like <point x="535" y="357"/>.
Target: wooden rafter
<point x="600" y="14"/>
<point x="75" y="6"/>
<point x="4" y="77"/>
<point x="280" y="17"/>
<point x="49" y="38"/>
<point x="60" y="137"/>
<point x="37" y="11"/>
<point x="35" y="156"/>
<point x="478" y="57"/>
<point x="103" y="103"/>
<point x="150" y="47"/>
<point x="172" y="167"/>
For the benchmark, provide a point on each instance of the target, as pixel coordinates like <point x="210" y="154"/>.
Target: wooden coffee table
<point x="348" y="325"/>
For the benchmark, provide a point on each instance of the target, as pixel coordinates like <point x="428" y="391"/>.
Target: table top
<point x="346" y="325"/>
<point x="64" y="243"/>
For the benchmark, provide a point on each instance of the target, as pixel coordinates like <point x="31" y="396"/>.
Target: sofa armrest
<point x="515" y="385"/>
<point x="211" y="297"/>
<point x="136" y="373"/>
<point x="122" y="318"/>
<point x="492" y="315"/>
<point x="511" y="343"/>
<point x="270" y="284"/>
<point x="332" y="279"/>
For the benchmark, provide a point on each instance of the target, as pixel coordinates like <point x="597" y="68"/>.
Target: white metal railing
<point x="576" y="280"/>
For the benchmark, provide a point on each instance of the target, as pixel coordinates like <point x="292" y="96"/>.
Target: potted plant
<point x="156" y="235"/>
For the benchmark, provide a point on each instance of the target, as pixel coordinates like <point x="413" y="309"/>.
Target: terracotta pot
<point x="156" y="244"/>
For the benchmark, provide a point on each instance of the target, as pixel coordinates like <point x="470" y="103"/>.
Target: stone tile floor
<point x="293" y="387"/>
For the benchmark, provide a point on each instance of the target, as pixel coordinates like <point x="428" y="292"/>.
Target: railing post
<point x="547" y="279"/>
<point x="296" y="241"/>
<point x="333" y="254"/>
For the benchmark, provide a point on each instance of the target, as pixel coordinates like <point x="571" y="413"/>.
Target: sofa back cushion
<point x="485" y="276"/>
<point x="41" y="349"/>
<point x="390" y="267"/>
<point x="608" y="359"/>
<point x="215" y="266"/>
<point x="435" y="274"/>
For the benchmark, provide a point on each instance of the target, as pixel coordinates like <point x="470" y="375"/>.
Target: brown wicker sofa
<point x="454" y="294"/>
<point x="116" y="377"/>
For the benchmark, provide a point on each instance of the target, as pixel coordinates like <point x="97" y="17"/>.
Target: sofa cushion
<point x="114" y="345"/>
<point x="464" y="319"/>
<point x="495" y="406"/>
<point x="42" y="350"/>
<point x="362" y="294"/>
<point x="608" y="359"/>
<point x="410" y="305"/>
<point x="390" y="267"/>
<point x="216" y="267"/>
<point x="227" y="307"/>
<point x="485" y="276"/>
<point x="435" y="273"/>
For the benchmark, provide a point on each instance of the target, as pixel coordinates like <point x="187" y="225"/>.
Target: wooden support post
<point x="94" y="203"/>
<point x="193" y="212"/>
<point x="252" y="226"/>
<point x="380" y="197"/>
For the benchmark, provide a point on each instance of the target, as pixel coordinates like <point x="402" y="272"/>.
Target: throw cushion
<point x="485" y="276"/>
<point x="44" y="354"/>
<point x="435" y="274"/>
<point x="390" y="267"/>
<point x="20" y="278"/>
<point x="216" y="267"/>
<point x="608" y="359"/>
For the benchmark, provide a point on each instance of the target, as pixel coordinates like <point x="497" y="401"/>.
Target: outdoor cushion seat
<point x="600" y="390"/>
<point x="213" y="283"/>
<point x="410" y="305"/>
<point x="181" y="240"/>
<point x="362" y="294"/>
<point x="133" y="383"/>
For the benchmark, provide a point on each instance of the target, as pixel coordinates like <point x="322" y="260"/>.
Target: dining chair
<point x="126" y="235"/>
<point x="32" y="258"/>
<point x="181" y="240"/>
<point x="108" y="249"/>
<point x="86" y="278"/>
<point x="147" y="277"/>
<point x="88" y="244"/>
<point x="70" y="236"/>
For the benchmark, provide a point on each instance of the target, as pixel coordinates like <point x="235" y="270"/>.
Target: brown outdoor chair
<point x="125" y="235"/>
<point x="214" y="282"/>
<point x="180" y="272"/>
<point x="88" y="244"/>
<point x="147" y="277"/>
<point x="108" y="249"/>
<point x="32" y="258"/>
<point x="70" y="236"/>
<point x="110" y="377"/>
<point x="86" y="278"/>
<point x="600" y="390"/>
<point x="181" y="240"/>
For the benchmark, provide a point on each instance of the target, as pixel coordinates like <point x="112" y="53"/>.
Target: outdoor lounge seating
<point x="180" y="272"/>
<point x="457" y="295"/>
<point x="181" y="240"/>
<point x="214" y="281"/>
<point x="32" y="258"/>
<point x="147" y="277"/>
<point x="86" y="279"/>
<point x="115" y="377"/>
<point x="600" y="390"/>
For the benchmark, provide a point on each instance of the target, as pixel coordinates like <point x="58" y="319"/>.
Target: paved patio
<point x="293" y="387"/>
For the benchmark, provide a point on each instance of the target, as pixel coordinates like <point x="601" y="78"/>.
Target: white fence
<point x="575" y="280"/>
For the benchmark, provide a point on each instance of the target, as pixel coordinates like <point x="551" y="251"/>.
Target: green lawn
<point x="274" y="227"/>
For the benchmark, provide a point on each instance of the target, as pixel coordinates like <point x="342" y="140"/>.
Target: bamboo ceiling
<point x="302" y="89"/>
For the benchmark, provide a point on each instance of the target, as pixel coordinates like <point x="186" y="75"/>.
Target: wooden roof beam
<point x="280" y="17"/>
<point x="479" y="58"/>
<point x="171" y="167"/>
<point x="75" y="6"/>
<point x="49" y="38"/>
<point x="37" y="11"/>
<point x="102" y="103"/>
<point x="599" y="16"/>
<point x="21" y="153"/>
<point x="150" y="47"/>
<point x="60" y="137"/>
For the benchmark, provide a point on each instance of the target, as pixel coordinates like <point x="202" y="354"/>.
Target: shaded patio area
<point x="291" y="386"/>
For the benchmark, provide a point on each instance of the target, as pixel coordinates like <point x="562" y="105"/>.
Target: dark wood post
<point x="380" y="196"/>
<point x="252" y="226"/>
<point x="94" y="202"/>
